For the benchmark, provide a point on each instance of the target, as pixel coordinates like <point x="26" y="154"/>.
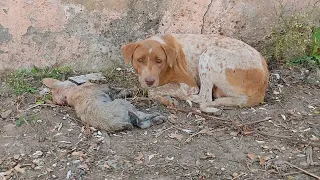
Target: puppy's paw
<point x="158" y="120"/>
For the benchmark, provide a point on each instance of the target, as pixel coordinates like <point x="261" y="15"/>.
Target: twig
<point x="187" y="110"/>
<point x="203" y="131"/>
<point x="274" y="135"/>
<point x="258" y="121"/>
<point x="290" y="139"/>
<point x="306" y="172"/>
<point x="37" y="105"/>
<point x="161" y="132"/>
<point x="24" y="119"/>
<point x="241" y="174"/>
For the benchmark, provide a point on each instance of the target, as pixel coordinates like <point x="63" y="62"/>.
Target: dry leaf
<point x="172" y="118"/>
<point x="151" y="156"/>
<point x="19" y="169"/>
<point x="77" y="153"/>
<point x="176" y="136"/>
<point x="208" y="156"/>
<point x="139" y="157"/>
<point x="203" y="131"/>
<point x="251" y="156"/>
<point x="261" y="160"/>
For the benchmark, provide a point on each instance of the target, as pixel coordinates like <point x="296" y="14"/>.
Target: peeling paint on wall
<point x="5" y="36"/>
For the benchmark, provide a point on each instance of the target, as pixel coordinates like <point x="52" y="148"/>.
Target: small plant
<point x="26" y="81"/>
<point x="294" y="38"/>
<point x="29" y="119"/>
<point x="312" y="60"/>
<point x="19" y="82"/>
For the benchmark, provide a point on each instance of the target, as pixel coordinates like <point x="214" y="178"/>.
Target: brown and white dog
<point x="229" y="72"/>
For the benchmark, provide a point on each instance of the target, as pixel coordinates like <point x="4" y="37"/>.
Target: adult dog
<point x="226" y="71"/>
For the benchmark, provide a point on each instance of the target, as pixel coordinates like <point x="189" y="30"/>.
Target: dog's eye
<point x="140" y="60"/>
<point x="159" y="61"/>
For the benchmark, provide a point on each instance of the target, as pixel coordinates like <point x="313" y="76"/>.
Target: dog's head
<point x="59" y="89"/>
<point x="150" y="60"/>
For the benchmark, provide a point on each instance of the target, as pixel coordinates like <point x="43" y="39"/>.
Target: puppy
<point x="212" y="70"/>
<point x="94" y="106"/>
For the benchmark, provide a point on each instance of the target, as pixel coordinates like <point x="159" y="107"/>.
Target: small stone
<point x="54" y="165"/>
<point x="223" y="169"/>
<point x="304" y="164"/>
<point x="69" y="174"/>
<point x="87" y="77"/>
<point x="37" y="154"/>
<point x="235" y="175"/>
<point x="314" y="138"/>
<point x="16" y="157"/>
<point x="38" y="167"/>
<point x="316" y="149"/>
<point x="233" y="133"/>
<point x="6" y="114"/>
<point x="38" y="162"/>
<point x="76" y="161"/>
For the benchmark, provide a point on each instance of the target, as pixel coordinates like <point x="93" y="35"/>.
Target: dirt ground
<point x="46" y="142"/>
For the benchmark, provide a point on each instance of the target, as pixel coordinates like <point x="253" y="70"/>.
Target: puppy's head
<point x="150" y="59"/>
<point x="59" y="89"/>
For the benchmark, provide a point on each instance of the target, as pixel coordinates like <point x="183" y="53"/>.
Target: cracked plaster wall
<point x="87" y="35"/>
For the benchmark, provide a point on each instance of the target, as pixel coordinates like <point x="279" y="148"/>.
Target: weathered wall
<point x="87" y="34"/>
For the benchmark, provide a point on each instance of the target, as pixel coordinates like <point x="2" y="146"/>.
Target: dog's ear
<point x="171" y="54"/>
<point x="50" y="82"/>
<point x="127" y="51"/>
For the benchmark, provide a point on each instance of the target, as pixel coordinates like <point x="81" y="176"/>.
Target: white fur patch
<point x="158" y="39"/>
<point x="150" y="50"/>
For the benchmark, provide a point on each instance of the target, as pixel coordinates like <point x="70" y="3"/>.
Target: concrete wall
<point x="87" y="34"/>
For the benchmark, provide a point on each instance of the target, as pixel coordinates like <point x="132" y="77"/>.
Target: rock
<point x="38" y="162"/>
<point x="6" y="114"/>
<point x="233" y="133"/>
<point x="37" y="154"/>
<point x="16" y="157"/>
<point x="85" y="78"/>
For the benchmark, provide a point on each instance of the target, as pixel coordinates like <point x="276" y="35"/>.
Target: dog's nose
<point x="149" y="81"/>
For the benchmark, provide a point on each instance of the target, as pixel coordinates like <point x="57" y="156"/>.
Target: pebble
<point x="76" y="161"/>
<point x="233" y="133"/>
<point x="6" y="114"/>
<point x="37" y="161"/>
<point x="16" y="157"/>
<point x="235" y="175"/>
<point x="37" y="154"/>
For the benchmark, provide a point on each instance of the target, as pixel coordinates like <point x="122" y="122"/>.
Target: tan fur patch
<point x="250" y="82"/>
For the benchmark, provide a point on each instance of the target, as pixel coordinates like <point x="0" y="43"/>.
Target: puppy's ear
<point x="127" y="51"/>
<point x="50" y="82"/>
<point x="171" y="54"/>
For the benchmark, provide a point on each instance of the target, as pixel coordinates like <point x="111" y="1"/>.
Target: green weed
<point x="27" y="81"/>
<point x="312" y="59"/>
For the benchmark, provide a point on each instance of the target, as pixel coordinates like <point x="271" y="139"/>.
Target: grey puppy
<point x="94" y="106"/>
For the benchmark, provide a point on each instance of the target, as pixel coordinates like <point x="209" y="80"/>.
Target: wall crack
<point x="204" y="15"/>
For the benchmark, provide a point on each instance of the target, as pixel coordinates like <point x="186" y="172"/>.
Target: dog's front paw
<point x="207" y="107"/>
<point x="194" y="98"/>
<point x="189" y="90"/>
